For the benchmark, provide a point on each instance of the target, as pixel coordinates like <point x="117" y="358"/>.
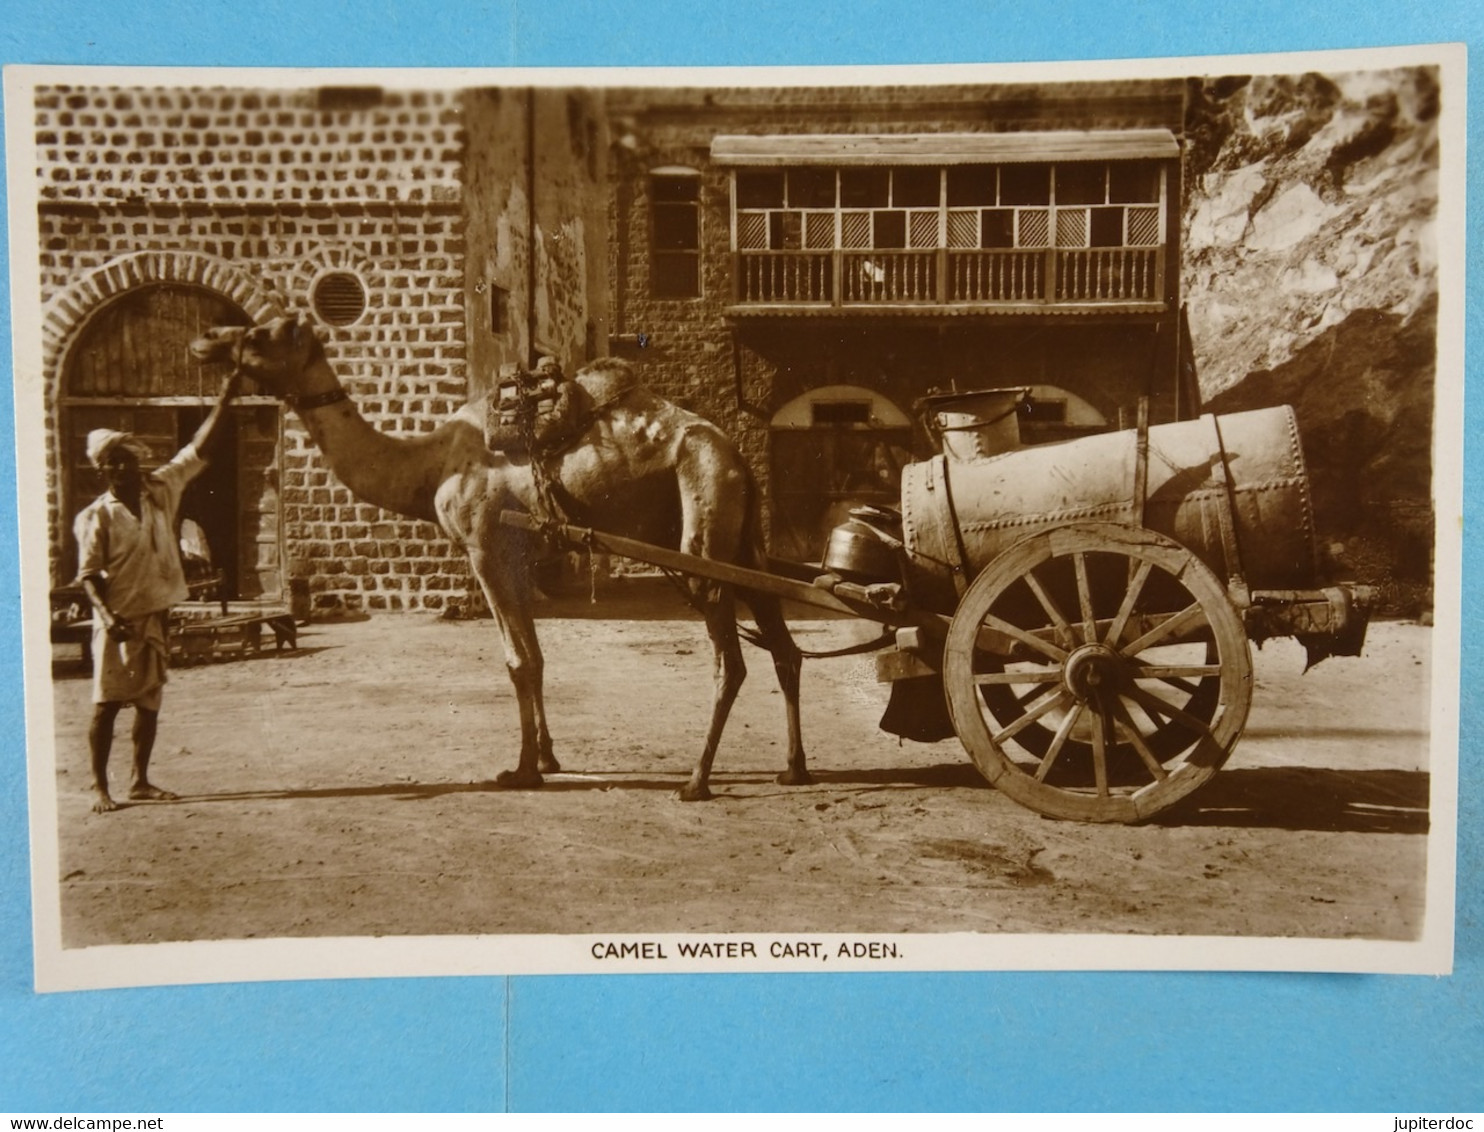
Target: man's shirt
<point x="138" y="555"/>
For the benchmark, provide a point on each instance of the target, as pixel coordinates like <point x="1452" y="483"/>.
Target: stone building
<point x="801" y="265"/>
<point x="804" y="265"/>
<point x="430" y="235"/>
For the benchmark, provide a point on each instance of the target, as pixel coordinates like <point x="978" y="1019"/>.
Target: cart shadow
<point x="955" y="775"/>
<point x="1308" y="798"/>
<point x="1288" y="798"/>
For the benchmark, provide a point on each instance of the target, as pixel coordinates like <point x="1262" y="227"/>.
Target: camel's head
<point x="275" y="355"/>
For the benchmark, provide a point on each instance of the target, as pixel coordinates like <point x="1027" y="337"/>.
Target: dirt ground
<point x="344" y="790"/>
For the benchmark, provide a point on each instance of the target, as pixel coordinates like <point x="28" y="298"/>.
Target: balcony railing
<point x="1107" y="275"/>
<point x="889" y="277"/>
<point x="785" y="277"/>
<point x="997" y="277"/>
<point x="1012" y="276"/>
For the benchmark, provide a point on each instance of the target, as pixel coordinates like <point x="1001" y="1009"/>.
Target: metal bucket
<point x="860" y="551"/>
<point x="971" y="426"/>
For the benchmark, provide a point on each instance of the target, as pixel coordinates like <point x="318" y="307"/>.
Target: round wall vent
<point x="339" y="298"/>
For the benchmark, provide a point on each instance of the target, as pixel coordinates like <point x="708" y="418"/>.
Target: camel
<point x="644" y="468"/>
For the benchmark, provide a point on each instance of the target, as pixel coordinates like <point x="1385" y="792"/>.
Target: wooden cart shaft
<point x="866" y="602"/>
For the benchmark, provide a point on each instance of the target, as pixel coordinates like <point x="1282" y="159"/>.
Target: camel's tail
<point x="767" y="609"/>
<point x="752" y="552"/>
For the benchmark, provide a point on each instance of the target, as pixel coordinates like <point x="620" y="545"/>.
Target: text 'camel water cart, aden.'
<point x="1079" y="614"/>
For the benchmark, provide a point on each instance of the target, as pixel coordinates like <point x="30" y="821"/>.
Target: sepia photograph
<point x="827" y="519"/>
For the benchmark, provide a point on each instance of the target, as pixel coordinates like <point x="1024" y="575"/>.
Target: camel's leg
<point x="729" y="670"/>
<point x="787" y="663"/>
<point x="713" y="498"/>
<point x="504" y="575"/>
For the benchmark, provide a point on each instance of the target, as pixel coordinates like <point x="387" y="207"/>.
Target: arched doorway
<point x="130" y="368"/>
<point x="834" y="448"/>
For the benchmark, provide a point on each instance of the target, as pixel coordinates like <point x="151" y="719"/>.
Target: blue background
<point x="988" y="1041"/>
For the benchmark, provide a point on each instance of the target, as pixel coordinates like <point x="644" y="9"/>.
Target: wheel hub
<point x="1091" y="669"/>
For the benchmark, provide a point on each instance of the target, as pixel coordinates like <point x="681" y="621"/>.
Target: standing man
<point x="129" y="566"/>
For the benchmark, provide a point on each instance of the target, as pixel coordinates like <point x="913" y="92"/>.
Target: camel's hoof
<point x="518" y="780"/>
<point x="691" y="792"/>
<point x="547" y="764"/>
<point x="792" y="777"/>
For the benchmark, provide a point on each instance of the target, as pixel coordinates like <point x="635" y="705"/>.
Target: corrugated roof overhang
<point x="943" y="149"/>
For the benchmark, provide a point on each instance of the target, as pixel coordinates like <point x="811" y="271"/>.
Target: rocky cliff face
<point x="1310" y="278"/>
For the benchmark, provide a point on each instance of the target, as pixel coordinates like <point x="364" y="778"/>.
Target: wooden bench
<point x="195" y="640"/>
<point x="196" y="634"/>
<point x="72" y="620"/>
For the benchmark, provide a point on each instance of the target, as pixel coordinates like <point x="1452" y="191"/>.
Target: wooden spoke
<point x="1059" y="740"/>
<point x="1100" y="733"/>
<point x="1063" y="630"/>
<point x="1084" y="599"/>
<point x="1136" y="740"/>
<point x="1053" y="699"/>
<point x="1082" y="730"/>
<point x="1135" y="587"/>
<point x="1164" y="629"/>
<point x="1030" y="640"/>
<point x="1152" y="703"/>
<point x="1020" y="676"/>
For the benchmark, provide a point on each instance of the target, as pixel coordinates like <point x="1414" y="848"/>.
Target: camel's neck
<point x="395" y="474"/>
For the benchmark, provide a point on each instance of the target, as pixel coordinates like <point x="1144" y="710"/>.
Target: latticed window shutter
<point x="752" y="230"/>
<point x="819" y="230"/>
<point x="963" y="228"/>
<point x="855" y="230"/>
<point x="923" y="230"/>
<point x="1071" y="228"/>
<point x="1033" y="228"/>
<point x="1143" y="227"/>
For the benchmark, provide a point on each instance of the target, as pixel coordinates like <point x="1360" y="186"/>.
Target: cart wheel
<point x="1097" y="672"/>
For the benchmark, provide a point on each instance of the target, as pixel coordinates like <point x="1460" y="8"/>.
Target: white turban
<point x="101" y="441"/>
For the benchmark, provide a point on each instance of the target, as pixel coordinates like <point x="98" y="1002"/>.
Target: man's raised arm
<point x="207" y="433"/>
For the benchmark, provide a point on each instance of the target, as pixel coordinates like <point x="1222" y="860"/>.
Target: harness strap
<point x="316" y="400"/>
<point x="755" y="638"/>
<point x="548" y="512"/>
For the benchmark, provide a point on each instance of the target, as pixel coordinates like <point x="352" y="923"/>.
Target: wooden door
<point x="131" y="369"/>
<point x="820" y="474"/>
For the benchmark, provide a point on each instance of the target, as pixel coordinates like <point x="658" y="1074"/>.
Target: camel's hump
<point x="607" y="385"/>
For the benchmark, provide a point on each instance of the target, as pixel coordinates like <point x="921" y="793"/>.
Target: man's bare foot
<point x="103" y="804"/>
<point x="148" y="793"/>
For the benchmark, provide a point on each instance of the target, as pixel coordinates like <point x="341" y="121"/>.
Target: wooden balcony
<point x="996" y="280"/>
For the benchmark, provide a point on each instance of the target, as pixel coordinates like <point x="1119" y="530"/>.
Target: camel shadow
<point x="417" y="792"/>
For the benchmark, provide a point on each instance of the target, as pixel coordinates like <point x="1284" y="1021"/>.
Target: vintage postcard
<point x="413" y="464"/>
